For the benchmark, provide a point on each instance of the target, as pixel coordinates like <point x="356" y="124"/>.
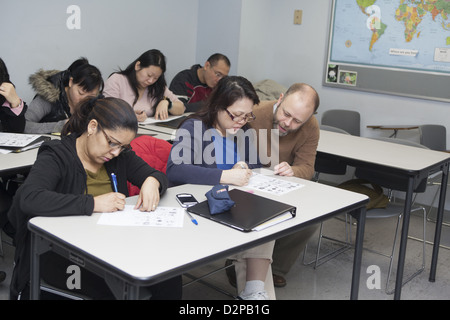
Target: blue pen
<point x="114" y="180"/>
<point x="191" y="217"/>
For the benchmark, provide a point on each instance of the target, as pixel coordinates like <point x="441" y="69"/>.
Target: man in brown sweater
<point x="294" y="128"/>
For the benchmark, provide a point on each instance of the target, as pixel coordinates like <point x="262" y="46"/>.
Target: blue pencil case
<point x="218" y="199"/>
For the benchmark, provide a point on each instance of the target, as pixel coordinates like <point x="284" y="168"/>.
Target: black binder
<point x="249" y="212"/>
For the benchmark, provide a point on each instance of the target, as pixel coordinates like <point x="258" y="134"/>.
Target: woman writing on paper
<point x="143" y="85"/>
<point x="205" y="152"/>
<point x="72" y="176"/>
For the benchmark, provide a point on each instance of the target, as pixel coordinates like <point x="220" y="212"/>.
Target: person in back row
<point x="143" y="85"/>
<point x="12" y="119"/>
<point x="12" y="108"/>
<point x="192" y="86"/>
<point x="58" y="93"/>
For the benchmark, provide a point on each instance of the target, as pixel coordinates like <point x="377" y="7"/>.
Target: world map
<point x="405" y="34"/>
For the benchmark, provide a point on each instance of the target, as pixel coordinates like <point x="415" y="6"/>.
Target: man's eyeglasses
<point x="249" y="117"/>
<point x="115" y="145"/>
<point x="217" y="74"/>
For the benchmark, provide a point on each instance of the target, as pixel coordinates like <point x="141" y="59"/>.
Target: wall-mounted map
<point x="383" y="43"/>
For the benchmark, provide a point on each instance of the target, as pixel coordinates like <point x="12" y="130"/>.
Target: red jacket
<point x="152" y="150"/>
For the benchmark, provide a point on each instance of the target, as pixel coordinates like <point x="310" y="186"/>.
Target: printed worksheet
<point x="272" y="184"/>
<point x="171" y="217"/>
<point x="151" y="120"/>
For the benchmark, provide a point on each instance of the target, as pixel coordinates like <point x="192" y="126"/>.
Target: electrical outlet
<point x="298" y="15"/>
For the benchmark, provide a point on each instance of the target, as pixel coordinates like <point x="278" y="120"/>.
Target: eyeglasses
<point x="115" y="145"/>
<point x="218" y="74"/>
<point x="249" y="117"/>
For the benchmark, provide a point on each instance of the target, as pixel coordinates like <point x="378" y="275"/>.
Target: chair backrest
<point x="391" y="180"/>
<point x="347" y="120"/>
<point x="434" y="136"/>
<point x="152" y="150"/>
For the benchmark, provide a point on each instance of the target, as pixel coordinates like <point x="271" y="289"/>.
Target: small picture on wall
<point x="332" y="73"/>
<point x="348" y="78"/>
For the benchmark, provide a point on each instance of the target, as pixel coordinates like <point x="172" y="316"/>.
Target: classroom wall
<point x="112" y="34"/>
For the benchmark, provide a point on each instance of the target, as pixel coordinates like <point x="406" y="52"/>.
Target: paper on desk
<point x="171" y="217"/>
<point x="151" y="120"/>
<point x="271" y="184"/>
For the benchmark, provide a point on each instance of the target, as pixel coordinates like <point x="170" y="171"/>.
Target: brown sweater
<point x="298" y="148"/>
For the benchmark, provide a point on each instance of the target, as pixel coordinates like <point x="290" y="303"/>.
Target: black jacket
<point x="56" y="186"/>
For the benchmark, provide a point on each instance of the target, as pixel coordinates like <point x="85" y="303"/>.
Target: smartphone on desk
<point x="186" y="200"/>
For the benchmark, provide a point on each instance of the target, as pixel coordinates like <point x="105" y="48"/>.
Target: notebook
<point x="250" y="213"/>
<point x="18" y="142"/>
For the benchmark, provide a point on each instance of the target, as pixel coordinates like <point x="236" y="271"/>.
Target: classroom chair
<point x="347" y="120"/>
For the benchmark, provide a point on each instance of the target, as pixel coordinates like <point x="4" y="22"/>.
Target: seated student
<point x="71" y="176"/>
<point x="12" y="119"/>
<point x="204" y="152"/>
<point x="12" y="108"/>
<point x="58" y="93"/>
<point x="192" y="86"/>
<point x="143" y="85"/>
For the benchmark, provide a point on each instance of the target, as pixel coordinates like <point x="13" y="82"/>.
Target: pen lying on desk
<point x="191" y="217"/>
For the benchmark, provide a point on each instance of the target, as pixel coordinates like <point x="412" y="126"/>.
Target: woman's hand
<point x="141" y="116"/>
<point x="109" y="202"/>
<point x="148" y="198"/>
<point x="9" y="92"/>
<point x="162" y="110"/>
<point x="239" y="177"/>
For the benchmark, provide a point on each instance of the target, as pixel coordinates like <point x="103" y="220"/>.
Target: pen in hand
<point x="114" y="180"/>
<point x="191" y="217"/>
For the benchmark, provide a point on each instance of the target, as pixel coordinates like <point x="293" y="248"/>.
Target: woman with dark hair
<point x="12" y="108"/>
<point x="58" y="93"/>
<point x="143" y="85"/>
<point x="12" y="119"/>
<point x="72" y="176"/>
<point x="215" y="146"/>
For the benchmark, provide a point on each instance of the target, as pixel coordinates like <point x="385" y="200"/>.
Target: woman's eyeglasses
<point x="115" y="145"/>
<point x="249" y="117"/>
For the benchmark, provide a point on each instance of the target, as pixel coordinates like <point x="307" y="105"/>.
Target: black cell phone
<point x="186" y="200"/>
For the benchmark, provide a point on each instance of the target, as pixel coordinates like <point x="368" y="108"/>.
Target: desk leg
<point x="35" y="280"/>
<point x="404" y="239"/>
<point x="439" y="220"/>
<point x="356" y="275"/>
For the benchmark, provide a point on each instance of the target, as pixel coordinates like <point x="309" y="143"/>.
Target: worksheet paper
<point x="151" y="120"/>
<point x="272" y="184"/>
<point x="171" y="217"/>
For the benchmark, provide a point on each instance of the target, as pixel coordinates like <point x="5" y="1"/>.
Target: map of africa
<point x="405" y="34"/>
